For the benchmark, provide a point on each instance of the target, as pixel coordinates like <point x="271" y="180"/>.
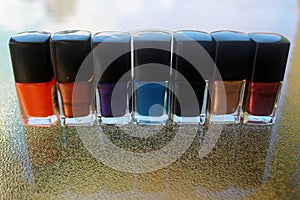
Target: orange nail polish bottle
<point x="35" y="85"/>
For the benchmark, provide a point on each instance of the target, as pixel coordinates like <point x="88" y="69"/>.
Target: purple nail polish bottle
<point x="112" y="65"/>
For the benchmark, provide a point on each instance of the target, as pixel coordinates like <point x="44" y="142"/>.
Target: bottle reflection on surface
<point x="16" y="169"/>
<point x="86" y="176"/>
<point x="113" y="183"/>
<point x="46" y="155"/>
<point x="152" y="185"/>
<point x="236" y="167"/>
<point x="253" y="151"/>
<point x="43" y="145"/>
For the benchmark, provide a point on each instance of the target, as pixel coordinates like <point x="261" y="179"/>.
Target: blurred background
<point x="49" y="163"/>
<point x="98" y="15"/>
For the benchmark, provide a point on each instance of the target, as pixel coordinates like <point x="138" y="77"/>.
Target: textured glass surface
<point x="247" y="162"/>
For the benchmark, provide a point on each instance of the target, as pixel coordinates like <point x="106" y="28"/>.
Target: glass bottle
<point x="193" y="65"/>
<point x="73" y="71"/>
<point x="228" y="82"/>
<point x="35" y="85"/>
<point x="152" y="55"/>
<point x="269" y="53"/>
<point x="112" y="63"/>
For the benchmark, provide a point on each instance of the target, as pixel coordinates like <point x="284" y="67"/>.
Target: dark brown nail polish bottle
<point x="76" y="94"/>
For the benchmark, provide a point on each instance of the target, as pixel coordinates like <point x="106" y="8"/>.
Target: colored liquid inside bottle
<point x="226" y="100"/>
<point x="114" y="104"/>
<point x="76" y="103"/>
<point x="150" y="102"/>
<point x="261" y="102"/>
<point x="193" y="108"/>
<point x="37" y="103"/>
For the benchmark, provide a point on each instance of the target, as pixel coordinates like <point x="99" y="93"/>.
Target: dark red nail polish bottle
<point x="269" y="54"/>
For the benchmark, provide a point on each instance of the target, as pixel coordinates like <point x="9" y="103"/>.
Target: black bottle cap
<point x="112" y="56"/>
<point x="30" y="56"/>
<point x="232" y="54"/>
<point x="153" y="50"/>
<point x="68" y="51"/>
<point x="269" y="53"/>
<point x="193" y="55"/>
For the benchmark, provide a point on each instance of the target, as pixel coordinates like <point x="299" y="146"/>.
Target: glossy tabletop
<point x="137" y="162"/>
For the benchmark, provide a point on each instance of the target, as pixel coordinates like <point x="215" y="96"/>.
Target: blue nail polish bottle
<point x="193" y="66"/>
<point x="112" y="66"/>
<point x="152" y="55"/>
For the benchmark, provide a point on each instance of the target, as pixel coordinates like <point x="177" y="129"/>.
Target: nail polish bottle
<point x="112" y="63"/>
<point x="74" y="76"/>
<point x="269" y="53"/>
<point x="152" y="55"/>
<point x="193" y="65"/>
<point x="228" y="83"/>
<point x="35" y="85"/>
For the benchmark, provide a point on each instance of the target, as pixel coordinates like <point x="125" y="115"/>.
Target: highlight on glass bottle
<point x="75" y="92"/>
<point x="112" y="63"/>
<point x="231" y="61"/>
<point x="33" y="73"/>
<point x="269" y="53"/>
<point x="152" y="55"/>
<point x="193" y="65"/>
